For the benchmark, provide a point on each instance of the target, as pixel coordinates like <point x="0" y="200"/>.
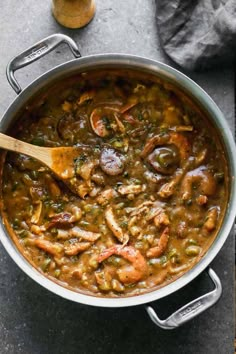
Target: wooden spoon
<point x="61" y="160"/>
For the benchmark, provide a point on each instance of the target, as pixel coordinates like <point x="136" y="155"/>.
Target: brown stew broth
<point x="151" y="189"/>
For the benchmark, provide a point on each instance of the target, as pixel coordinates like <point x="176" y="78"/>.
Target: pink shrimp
<point x="133" y="272"/>
<point x="158" y="250"/>
<point x="98" y="124"/>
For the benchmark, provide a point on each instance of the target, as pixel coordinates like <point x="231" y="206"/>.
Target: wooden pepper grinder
<point x="73" y="13"/>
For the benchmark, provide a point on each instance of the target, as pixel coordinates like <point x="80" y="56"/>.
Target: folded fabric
<point x="198" y="34"/>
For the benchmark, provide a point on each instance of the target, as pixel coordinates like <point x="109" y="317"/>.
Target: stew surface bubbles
<point x="151" y="184"/>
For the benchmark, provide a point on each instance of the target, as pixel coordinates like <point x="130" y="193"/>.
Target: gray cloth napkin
<point x="198" y="34"/>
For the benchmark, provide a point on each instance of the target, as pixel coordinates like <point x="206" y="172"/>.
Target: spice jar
<point x="73" y="13"/>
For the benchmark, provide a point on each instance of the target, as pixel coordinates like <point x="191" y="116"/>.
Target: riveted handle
<point x="190" y="310"/>
<point x="35" y="52"/>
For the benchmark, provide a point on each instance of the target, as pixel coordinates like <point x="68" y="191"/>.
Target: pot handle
<point x="35" y="52"/>
<point x="190" y="310"/>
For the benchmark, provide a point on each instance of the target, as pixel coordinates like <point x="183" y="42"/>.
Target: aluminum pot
<point x="200" y="97"/>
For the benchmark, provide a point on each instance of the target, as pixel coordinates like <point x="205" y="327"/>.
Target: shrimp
<point x="158" y="250"/>
<point x="179" y="140"/>
<point x="130" y="104"/>
<point x="119" y="123"/>
<point x="150" y="145"/>
<point x="202" y="177"/>
<point x="100" y="125"/>
<point x="53" y="248"/>
<point x="114" y="227"/>
<point x="133" y="272"/>
<point x="182" y="144"/>
<point x="211" y="219"/>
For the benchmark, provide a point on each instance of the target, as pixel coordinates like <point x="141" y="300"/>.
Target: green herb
<point x="219" y="176"/>
<point x="118" y="144"/>
<point x="34" y="174"/>
<point x="78" y="162"/>
<point x="106" y="122"/>
<point x="84" y="223"/>
<point x="163" y="260"/>
<point x="15" y="186"/>
<point x="173" y="252"/>
<point x="39" y="141"/>
<point x="57" y="273"/>
<point x="45" y="264"/>
<point x="124" y="224"/>
<point x="97" y="148"/>
<point x="23" y="233"/>
<point x="140" y="116"/>
<point x="54" y="231"/>
<point x="191" y="241"/>
<point x="16" y="223"/>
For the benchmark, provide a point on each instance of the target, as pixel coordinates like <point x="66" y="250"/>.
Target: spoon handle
<point x="40" y="153"/>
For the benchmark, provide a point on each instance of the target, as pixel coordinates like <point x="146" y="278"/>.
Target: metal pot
<point x="199" y="96"/>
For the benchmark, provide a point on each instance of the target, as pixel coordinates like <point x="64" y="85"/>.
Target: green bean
<point x="191" y="241"/>
<point x="57" y="273"/>
<point x="93" y="262"/>
<point x="118" y="144"/>
<point x="173" y="252"/>
<point x="192" y="251"/>
<point x="45" y="264"/>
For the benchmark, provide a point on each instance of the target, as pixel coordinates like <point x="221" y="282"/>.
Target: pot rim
<point x="188" y="85"/>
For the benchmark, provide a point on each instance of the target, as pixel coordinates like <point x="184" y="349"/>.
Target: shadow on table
<point x="46" y="323"/>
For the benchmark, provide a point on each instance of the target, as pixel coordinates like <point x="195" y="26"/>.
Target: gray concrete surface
<point x="32" y="320"/>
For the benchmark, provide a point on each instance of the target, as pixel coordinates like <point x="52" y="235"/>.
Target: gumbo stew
<point x="151" y="184"/>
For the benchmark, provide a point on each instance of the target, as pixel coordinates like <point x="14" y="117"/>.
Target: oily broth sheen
<point x="151" y="193"/>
